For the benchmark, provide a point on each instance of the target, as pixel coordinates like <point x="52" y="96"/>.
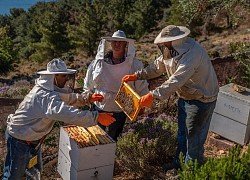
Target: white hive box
<point x="85" y="161"/>
<point x="231" y="117"/>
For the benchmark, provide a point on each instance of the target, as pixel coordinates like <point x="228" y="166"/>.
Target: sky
<point x="5" y="5"/>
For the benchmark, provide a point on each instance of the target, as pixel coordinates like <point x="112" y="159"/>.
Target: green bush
<point x="5" y="61"/>
<point x="146" y="143"/>
<point x="231" y="167"/>
<point x="241" y="53"/>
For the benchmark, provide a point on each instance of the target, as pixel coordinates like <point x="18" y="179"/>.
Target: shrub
<point x="19" y="90"/>
<point x="145" y="143"/>
<point x="231" y="167"/>
<point x="5" y="61"/>
<point x="241" y="53"/>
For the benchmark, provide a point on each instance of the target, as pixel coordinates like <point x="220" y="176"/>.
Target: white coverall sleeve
<point x="185" y="69"/>
<point x="56" y="109"/>
<point x="88" y="87"/>
<point x="75" y="99"/>
<point x="153" y="70"/>
<point x="141" y="86"/>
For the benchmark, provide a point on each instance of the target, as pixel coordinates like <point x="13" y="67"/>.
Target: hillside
<point x="146" y="51"/>
<point x="218" y="46"/>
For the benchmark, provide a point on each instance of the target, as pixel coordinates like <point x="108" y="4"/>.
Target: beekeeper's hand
<point x="105" y="119"/>
<point x="96" y="97"/>
<point x="146" y="100"/>
<point x="132" y="77"/>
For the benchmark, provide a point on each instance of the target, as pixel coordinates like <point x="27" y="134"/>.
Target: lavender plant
<point x="146" y="143"/>
<point x="18" y="90"/>
<point x="4" y="90"/>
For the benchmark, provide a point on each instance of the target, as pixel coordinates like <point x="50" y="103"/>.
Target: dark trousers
<point x="18" y="156"/>
<point x="194" y="118"/>
<point x="115" y="129"/>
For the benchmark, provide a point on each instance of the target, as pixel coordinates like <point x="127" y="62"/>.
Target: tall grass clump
<point x="146" y="143"/>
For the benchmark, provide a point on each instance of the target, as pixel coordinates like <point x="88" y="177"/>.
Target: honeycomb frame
<point x="128" y="100"/>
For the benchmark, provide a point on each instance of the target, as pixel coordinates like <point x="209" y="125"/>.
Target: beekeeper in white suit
<point x="192" y="76"/>
<point x="36" y="115"/>
<point x="115" y="58"/>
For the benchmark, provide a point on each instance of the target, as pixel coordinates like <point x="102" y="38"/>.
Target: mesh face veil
<point x="164" y="51"/>
<point x="108" y="49"/>
<point x="71" y="82"/>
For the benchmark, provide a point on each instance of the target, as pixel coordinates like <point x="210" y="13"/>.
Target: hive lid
<point x="237" y="91"/>
<point x="128" y="100"/>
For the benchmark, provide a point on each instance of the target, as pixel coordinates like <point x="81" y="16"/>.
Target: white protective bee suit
<point x="105" y="79"/>
<point x="192" y="76"/>
<point x="44" y="104"/>
<point x="190" y="73"/>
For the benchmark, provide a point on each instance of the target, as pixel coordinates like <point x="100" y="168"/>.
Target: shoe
<point x="169" y="166"/>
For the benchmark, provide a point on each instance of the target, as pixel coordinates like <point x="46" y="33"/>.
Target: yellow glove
<point x="146" y="101"/>
<point x="96" y="97"/>
<point x="131" y="77"/>
<point x="105" y="119"/>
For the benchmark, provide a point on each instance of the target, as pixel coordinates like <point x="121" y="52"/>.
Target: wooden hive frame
<point x="128" y="100"/>
<point x="89" y="136"/>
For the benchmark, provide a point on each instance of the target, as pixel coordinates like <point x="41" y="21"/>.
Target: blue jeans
<point x="114" y="129"/>
<point x="194" y="119"/>
<point x="18" y="156"/>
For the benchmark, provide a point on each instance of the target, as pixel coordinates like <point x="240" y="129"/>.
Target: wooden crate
<point x="231" y="117"/>
<point x="128" y="100"/>
<point x="87" y="160"/>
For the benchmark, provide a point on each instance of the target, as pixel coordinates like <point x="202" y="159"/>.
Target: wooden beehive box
<point x="127" y="99"/>
<point x="85" y="153"/>
<point x="231" y="117"/>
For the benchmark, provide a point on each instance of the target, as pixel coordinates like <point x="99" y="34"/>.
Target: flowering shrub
<point x="4" y="90"/>
<point x="79" y="81"/>
<point x="145" y="143"/>
<point x="19" y="90"/>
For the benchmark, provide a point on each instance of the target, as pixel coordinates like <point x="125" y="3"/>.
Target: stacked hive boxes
<point x="231" y="117"/>
<point x="85" y="153"/>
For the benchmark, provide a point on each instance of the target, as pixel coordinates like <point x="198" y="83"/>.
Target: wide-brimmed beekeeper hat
<point x="171" y="33"/>
<point x="57" y="66"/>
<point x="118" y="36"/>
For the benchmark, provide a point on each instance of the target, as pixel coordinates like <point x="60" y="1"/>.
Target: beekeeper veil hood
<point x="56" y="66"/>
<point x="105" y="45"/>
